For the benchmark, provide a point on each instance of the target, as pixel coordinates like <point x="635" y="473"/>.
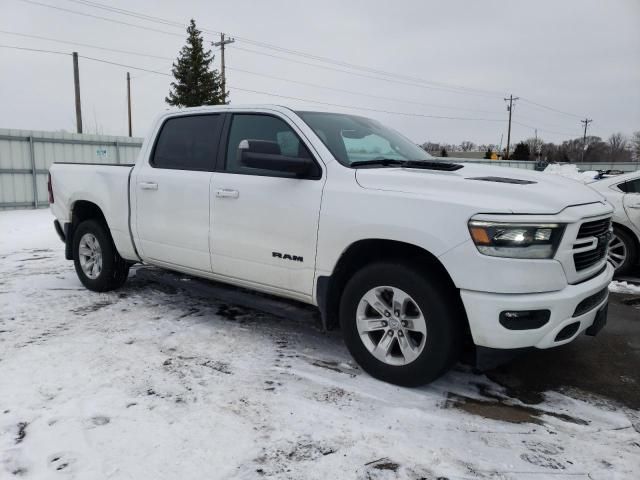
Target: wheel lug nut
<point x="397" y="312"/>
<point x="405" y="323"/>
<point x="400" y="334"/>
<point x="384" y="324"/>
<point x="387" y="313"/>
<point x="390" y="333"/>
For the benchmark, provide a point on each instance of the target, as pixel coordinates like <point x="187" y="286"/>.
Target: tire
<point x="430" y="355"/>
<point x="108" y="270"/>
<point x="623" y="253"/>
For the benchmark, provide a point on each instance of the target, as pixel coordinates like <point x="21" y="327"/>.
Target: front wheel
<point x="622" y="251"/>
<point x="400" y="325"/>
<point x="98" y="264"/>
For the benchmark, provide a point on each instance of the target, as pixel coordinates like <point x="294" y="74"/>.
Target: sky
<point x="405" y="63"/>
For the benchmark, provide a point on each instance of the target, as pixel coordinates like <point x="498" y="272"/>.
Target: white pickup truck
<point x="412" y="257"/>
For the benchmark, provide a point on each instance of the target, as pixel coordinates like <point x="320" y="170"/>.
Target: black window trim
<point x="224" y="141"/>
<point x="212" y="167"/>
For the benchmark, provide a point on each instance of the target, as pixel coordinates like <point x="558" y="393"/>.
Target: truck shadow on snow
<point x="502" y="398"/>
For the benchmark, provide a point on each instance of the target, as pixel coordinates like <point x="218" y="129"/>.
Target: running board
<point x="238" y="296"/>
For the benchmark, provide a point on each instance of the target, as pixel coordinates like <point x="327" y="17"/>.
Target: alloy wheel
<point x="90" y="255"/>
<point x="617" y="251"/>
<point x="391" y="325"/>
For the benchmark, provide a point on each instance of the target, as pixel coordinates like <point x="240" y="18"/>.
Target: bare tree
<point x="467" y="146"/>
<point x="535" y="145"/>
<point x="618" y="151"/>
<point x="635" y="146"/>
<point x="431" y="147"/>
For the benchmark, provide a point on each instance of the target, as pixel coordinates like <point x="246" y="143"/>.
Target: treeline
<point x="617" y="148"/>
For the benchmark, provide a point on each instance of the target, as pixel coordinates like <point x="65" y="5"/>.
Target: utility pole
<point x="76" y="84"/>
<point x="586" y="123"/>
<point x="509" y="109"/>
<point x="129" y="100"/>
<point x="221" y="44"/>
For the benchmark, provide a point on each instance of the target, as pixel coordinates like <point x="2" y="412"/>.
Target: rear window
<point x="188" y="143"/>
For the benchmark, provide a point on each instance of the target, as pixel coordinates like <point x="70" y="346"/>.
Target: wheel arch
<point x="82" y="210"/>
<point x="362" y="252"/>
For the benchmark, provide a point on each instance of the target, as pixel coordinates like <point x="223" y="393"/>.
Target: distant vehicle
<point x="412" y="257"/>
<point x="623" y="192"/>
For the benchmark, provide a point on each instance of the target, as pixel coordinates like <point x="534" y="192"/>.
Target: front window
<point x="352" y="138"/>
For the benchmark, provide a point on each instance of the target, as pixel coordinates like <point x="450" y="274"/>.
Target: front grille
<point x="587" y="259"/>
<point x="593" y="229"/>
<point x="599" y="229"/>
<point x="591" y="302"/>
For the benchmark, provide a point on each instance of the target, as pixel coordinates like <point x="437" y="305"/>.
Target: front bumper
<point x="483" y="311"/>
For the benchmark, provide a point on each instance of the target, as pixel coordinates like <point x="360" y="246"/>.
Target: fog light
<point x="524" y="319"/>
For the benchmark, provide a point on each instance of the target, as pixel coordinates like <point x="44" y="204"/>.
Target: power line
<point x="49" y="39"/>
<point x="364" y="75"/>
<point x="320" y="102"/>
<point x="76" y="12"/>
<point x="128" y="52"/>
<point x="122" y="11"/>
<point x="164" y="21"/>
<point x="125" y="66"/>
<point x="565" y="134"/>
<point x="451" y="87"/>
<point x="354" y="107"/>
<point x="352" y="92"/>
<point x="540" y="105"/>
<point x="34" y="49"/>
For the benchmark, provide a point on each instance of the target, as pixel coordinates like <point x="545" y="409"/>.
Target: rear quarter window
<point x="188" y="143"/>
<point x="630" y="186"/>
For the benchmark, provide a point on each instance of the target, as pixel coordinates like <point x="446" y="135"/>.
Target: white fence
<point x="25" y="158"/>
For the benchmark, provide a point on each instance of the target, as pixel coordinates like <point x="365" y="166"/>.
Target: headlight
<point x="516" y="240"/>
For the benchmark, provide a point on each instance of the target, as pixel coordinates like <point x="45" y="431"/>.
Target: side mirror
<point x="266" y="155"/>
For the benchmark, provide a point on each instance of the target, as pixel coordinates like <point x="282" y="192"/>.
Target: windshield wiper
<point x="394" y="162"/>
<point x="379" y="161"/>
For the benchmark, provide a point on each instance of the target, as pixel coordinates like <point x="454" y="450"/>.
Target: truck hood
<point x="490" y="189"/>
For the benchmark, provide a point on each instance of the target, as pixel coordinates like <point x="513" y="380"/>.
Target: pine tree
<point x="488" y="154"/>
<point x="196" y="83"/>
<point x="443" y="153"/>
<point x="521" y="152"/>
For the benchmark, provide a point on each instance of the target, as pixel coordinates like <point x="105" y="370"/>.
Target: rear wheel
<point x="399" y="325"/>
<point x="98" y="264"/>
<point x="622" y="251"/>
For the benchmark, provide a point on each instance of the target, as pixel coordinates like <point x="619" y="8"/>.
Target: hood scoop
<point x="502" y="180"/>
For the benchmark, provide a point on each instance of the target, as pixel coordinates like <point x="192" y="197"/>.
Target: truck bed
<point x="106" y="185"/>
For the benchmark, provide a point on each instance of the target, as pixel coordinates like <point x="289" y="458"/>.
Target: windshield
<point x="351" y="138"/>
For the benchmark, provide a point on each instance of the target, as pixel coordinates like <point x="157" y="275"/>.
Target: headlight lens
<point x="516" y="240"/>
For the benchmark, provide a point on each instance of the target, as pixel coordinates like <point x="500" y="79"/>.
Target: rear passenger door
<point x="172" y="192"/>
<point x="265" y="223"/>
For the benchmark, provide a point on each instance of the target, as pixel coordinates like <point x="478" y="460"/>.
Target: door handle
<point x="634" y="206"/>
<point x="226" y="193"/>
<point x="148" y="186"/>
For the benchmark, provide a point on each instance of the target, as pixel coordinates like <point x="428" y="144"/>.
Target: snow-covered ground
<point x="152" y="382"/>
<point x="624" y="287"/>
<point x="570" y="171"/>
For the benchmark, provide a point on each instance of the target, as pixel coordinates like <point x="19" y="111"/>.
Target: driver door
<point x="264" y="223"/>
